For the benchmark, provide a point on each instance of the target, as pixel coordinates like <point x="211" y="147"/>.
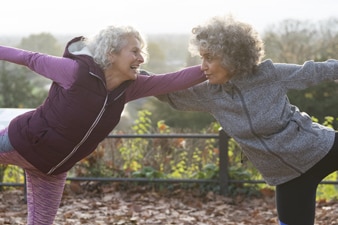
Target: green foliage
<point x="133" y="151"/>
<point x="19" y="86"/>
<point x="209" y="171"/>
<point x="42" y="42"/>
<point x="328" y="122"/>
<point x="148" y="172"/>
<point x="325" y="191"/>
<point x="11" y="174"/>
<point x="16" y="91"/>
<point x="328" y="191"/>
<point x="2" y="173"/>
<point x="173" y="158"/>
<point x="242" y="174"/>
<point x="319" y="101"/>
<point x="95" y="165"/>
<point x="192" y="121"/>
<point x="143" y="123"/>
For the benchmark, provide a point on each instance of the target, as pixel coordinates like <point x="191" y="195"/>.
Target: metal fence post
<point x="25" y="187"/>
<point x="223" y="162"/>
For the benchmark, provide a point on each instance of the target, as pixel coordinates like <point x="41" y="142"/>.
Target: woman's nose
<point x="204" y="66"/>
<point x="141" y="58"/>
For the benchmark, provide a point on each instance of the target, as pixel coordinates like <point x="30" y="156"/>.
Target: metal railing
<point x="223" y="181"/>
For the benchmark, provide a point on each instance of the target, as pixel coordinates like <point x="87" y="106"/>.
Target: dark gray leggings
<point x="296" y="199"/>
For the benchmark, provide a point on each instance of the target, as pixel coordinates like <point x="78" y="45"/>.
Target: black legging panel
<point x="296" y="199"/>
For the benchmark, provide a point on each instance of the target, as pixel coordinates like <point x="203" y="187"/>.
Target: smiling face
<point x="213" y="69"/>
<point x="125" y="64"/>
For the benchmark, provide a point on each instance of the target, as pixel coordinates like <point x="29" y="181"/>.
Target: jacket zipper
<point x="85" y="137"/>
<point x="257" y="136"/>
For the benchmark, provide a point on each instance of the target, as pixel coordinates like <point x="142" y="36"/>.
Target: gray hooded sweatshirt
<point x="277" y="138"/>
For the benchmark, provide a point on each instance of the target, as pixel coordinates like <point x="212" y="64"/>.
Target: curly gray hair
<point x="111" y="40"/>
<point x="236" y="43"/>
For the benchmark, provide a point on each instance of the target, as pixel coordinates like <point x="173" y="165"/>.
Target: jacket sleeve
<point x="159" y="84"/>
<point x="195" y="98"/>
<point x="309" y="74"/>
<point x="58" y="69"/>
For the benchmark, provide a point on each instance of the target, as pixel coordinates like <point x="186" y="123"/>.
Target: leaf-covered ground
<point x="140" y="205"/>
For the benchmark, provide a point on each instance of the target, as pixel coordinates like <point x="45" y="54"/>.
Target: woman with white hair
<point x="92" y="82"/>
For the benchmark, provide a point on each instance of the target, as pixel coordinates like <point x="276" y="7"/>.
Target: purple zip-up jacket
<point x="79" y="112"/>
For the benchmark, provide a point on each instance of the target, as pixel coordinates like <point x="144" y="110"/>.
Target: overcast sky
<point x="25" y="17"/>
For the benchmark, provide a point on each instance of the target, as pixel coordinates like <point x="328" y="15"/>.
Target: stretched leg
<point x="44" y="194"/>
<point x="296" y="199"/>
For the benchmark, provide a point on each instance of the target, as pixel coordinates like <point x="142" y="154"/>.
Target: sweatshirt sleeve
<point x="58" y="69"/>
<point x="309" y="74"/>
<point x="159" y="84"/>
<point x="195" y="98"/>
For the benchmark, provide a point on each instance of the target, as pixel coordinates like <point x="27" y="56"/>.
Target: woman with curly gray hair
<point x="236" y="44"/>
<point x="92" y="82"/>
<point x="248" y="97"/>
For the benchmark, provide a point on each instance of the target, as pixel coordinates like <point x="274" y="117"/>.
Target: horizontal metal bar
<point x="157" y="180"/>
<point x="206" y="136"/>
<point x="12" y="184"/>
<point x="107" y="179"/>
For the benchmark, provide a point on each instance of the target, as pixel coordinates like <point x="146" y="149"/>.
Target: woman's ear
<point x="111" y="57"/>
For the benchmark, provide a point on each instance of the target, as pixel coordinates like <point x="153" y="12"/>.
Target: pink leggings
<point x="44" y="192"/>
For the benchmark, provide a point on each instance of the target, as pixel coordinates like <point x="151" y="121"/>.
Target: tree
<point x="167" y="52"/>
<point x="20" y="87"/>
<point x="44" y="43"/>
<point x="291" y="41"/>
<point x="157" y="58"/>
<point x="16" y="91"/>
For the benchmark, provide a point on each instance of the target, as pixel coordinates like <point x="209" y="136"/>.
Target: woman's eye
<point x="209" y="58"/>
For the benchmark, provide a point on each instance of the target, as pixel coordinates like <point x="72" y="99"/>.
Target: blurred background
<point x="293" y="31"/>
